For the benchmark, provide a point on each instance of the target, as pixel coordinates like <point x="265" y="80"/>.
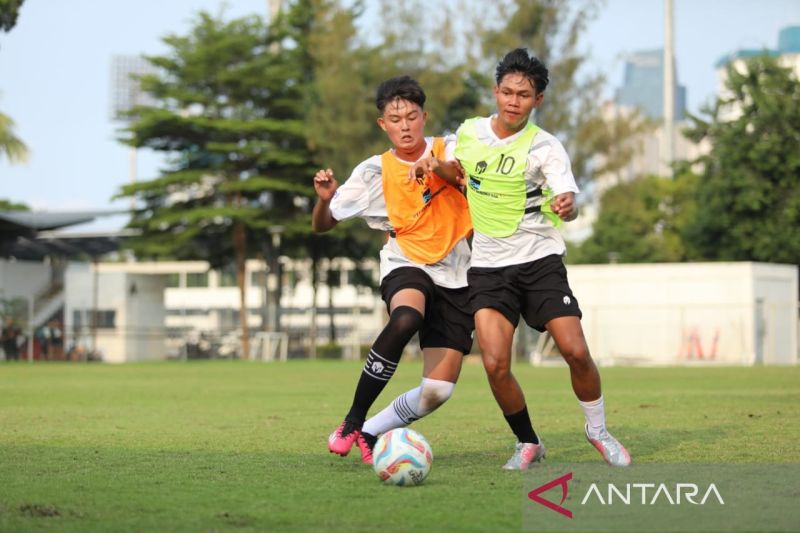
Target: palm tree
<point x="11" y="146"/>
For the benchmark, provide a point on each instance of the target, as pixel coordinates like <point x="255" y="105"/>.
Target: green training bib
<point x="496" y="188"/>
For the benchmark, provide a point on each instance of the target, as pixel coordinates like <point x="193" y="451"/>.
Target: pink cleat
<point x="610" y="448"/>
<point x="366" y="449"/>
<point x="341" y="440"/>
<point x="525" y="454"/>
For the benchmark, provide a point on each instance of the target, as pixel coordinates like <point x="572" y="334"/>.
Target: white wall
<point x="145" y="317"/>
<point x="688" y="313"/>
<point x="23" y="279"/>
<point x="137" y="301"/>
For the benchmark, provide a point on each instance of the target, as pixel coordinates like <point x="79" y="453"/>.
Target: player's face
<point x="404" y="123"/>
<point x="516" y="98"/>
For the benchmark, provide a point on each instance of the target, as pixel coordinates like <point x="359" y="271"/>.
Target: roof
<point x="29" y="235"/>
<point x="45" y="220"/>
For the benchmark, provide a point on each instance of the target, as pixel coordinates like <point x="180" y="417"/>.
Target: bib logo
<point x="474" y="183"/>
<point x="480" y="168"/>
<point x="426" y="195"/>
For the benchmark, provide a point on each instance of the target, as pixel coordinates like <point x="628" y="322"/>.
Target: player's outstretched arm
<point x="325" y="185"/>
<point x="450" y="171"/>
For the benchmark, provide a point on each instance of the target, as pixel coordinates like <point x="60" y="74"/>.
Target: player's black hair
<point x="399" y="88"/>
<point x="518" y="60"/>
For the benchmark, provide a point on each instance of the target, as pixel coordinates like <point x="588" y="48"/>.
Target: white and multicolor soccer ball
<point x="402" y="457"/>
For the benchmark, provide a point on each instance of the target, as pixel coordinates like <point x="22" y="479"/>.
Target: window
<point x="197" y="279"/>
<point x="103" y="318"/>
<point x="334" y="278"/>
<point x="173" y="280"/>
<point x="226" y="277"/>
<point x="257" y="278"/>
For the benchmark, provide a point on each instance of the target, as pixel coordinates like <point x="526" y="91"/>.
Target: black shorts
<point x="538" y="290"/>
<point x="448" y="319"/>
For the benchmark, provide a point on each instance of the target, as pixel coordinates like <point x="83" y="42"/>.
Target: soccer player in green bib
<point x="520" y="188"/>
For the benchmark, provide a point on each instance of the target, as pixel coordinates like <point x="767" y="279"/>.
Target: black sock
<point x="382" y="360"/>
<point x="522" y="427"/>
<point x="370" y="439"/>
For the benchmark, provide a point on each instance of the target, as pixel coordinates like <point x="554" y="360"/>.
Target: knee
<point x="406" y="320"/>
<point x="577" y="356"/>
<point x="434" y="393"/>
<point x="497" y="369"/>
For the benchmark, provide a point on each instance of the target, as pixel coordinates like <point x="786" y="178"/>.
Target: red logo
<point x="534" y="494"/>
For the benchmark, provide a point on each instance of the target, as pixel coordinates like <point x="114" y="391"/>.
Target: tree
<point x="9" y="11"/>
<point x="11" y="146"/>
<point x="230" y="115"/>
<point x="749" y="194"/>
<point x="344" y="73"/>
<point x="8" y="205"/>
<point x="642" y="221"/>
<point x="551" y="31"/>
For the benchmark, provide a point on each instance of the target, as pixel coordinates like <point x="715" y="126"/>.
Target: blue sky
<point x="55" y="75"/>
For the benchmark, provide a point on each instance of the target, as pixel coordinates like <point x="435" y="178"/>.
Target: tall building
<point x="643" y="85"/>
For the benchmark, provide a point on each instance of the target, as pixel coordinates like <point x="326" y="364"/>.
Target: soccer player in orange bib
<point x="423" y="266"/>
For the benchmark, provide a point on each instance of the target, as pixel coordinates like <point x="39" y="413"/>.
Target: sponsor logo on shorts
<point x="567" y="300"/>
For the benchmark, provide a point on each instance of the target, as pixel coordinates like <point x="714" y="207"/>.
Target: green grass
<point x="212" y="446"/>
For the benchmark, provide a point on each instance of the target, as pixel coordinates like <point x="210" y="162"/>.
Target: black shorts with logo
<point x="538" y="290"/>
<point x="448" y="318"/>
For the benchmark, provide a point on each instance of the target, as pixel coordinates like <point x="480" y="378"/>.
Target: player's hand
<point x="564" y="206"/>
<point x="424" y="167"/>
<point x="460" y="175"/>
<point x="325" y="184"/>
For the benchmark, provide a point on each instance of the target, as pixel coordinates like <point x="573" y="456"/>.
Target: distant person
<point x="423" y="266"/>
<point x="520" y="188"/>
<point x="43" y="336"/>
<point x="57" y="339"/>
<point x="10" y="340"/>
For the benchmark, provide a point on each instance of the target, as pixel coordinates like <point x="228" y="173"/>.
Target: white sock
<point x="595" y="414"/>
<point x="410" y="406"/>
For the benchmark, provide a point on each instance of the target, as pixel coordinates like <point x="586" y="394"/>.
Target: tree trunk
<point x="331" y="323"/>
<point x="312" y="328"/>
<point x="240" y="255"/>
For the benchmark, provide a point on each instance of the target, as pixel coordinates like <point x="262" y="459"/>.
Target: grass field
<point x="241" y="446"/>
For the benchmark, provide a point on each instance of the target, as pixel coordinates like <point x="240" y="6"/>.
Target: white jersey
<point x="362" y="196"/>
<point x="548" y="165"/>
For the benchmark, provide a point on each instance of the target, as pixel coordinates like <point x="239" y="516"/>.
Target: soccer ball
<point x="402" y="457"/>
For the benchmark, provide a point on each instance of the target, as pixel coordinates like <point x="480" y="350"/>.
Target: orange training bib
<point x="428" y="215"/>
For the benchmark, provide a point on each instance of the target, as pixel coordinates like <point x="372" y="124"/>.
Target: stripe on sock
<point x="403" y="410"/>
<point x="379" y="367"/>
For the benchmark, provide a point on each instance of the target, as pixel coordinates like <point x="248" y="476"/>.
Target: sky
<point x="55" y="71"/>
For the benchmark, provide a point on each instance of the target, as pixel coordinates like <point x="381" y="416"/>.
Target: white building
<point x="150" y="310"/>
<point x="689" y="313"/>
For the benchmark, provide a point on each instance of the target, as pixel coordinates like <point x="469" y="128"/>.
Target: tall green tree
<point x="230" y="116"/>
<point x="749" y="192"/>
<point x="346" y="68"/>
<point x="642" y="221"/>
